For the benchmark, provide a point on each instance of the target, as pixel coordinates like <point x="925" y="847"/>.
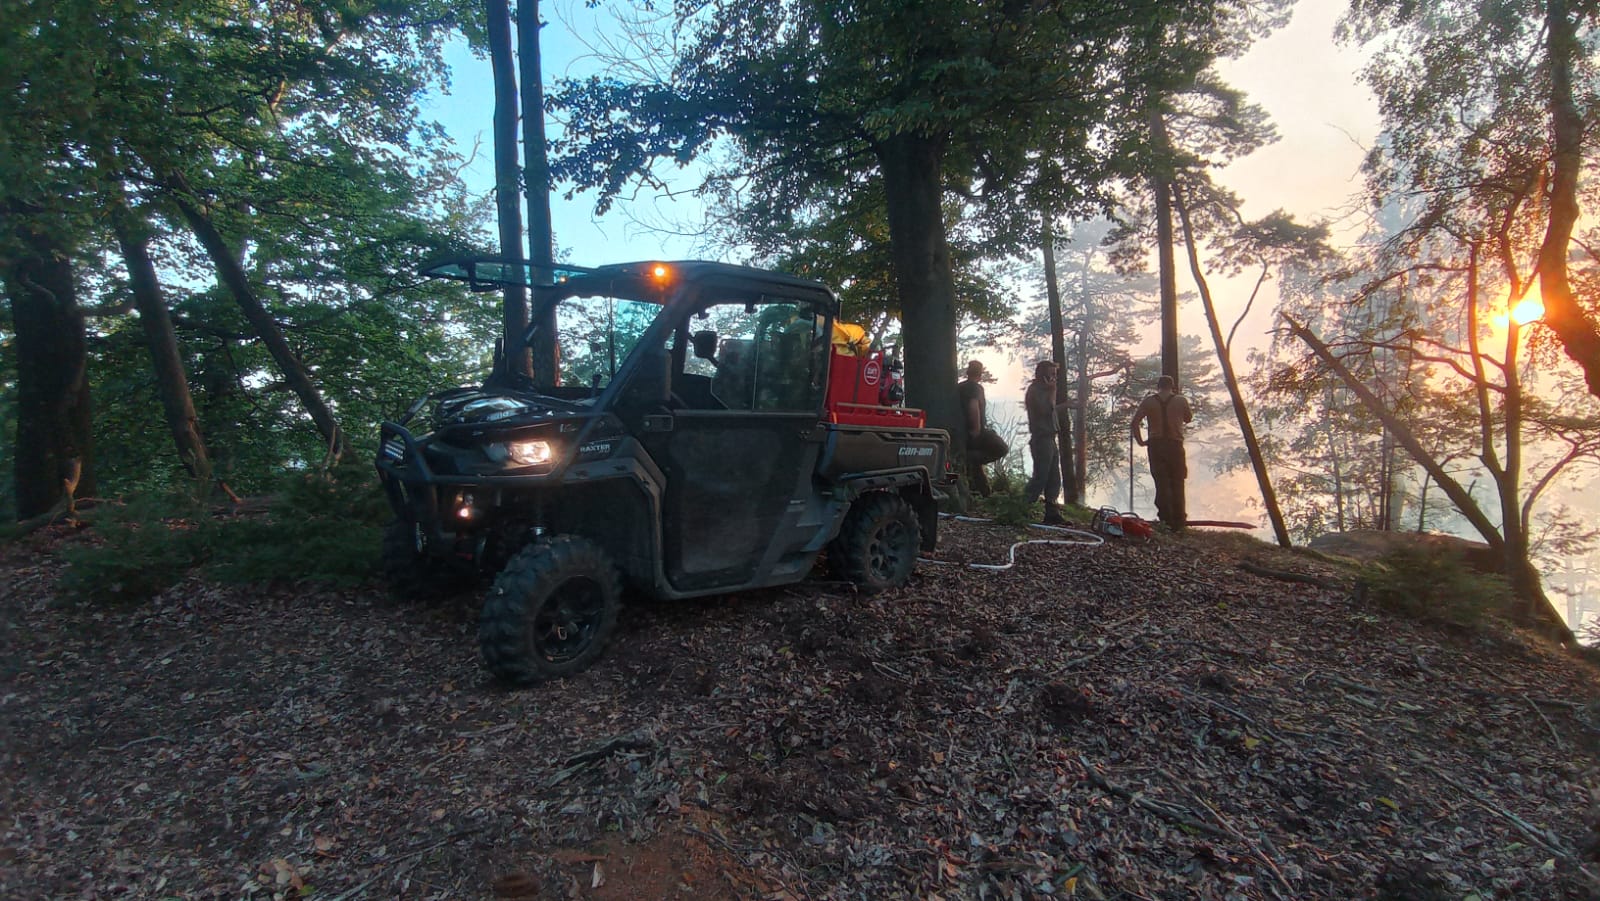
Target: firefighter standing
<point x="1167" y="411"/>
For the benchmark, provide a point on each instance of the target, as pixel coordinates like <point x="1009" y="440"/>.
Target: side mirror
<point x="705" y="344"/>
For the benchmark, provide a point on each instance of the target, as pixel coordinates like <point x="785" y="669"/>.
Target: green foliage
<point x="1006" y="506"/>
<point x="321" y="529"/>
<point x="300" y="137"/>
<point x="1434" y="585"/>
<point x="144" y="548"/>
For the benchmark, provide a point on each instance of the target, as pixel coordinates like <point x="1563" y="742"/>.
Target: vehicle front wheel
<point x="550" y="612"/>
<point x="878" y="542"/>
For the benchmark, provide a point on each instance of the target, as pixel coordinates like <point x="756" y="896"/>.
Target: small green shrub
<point x="283" y="548"/>
<point x="1006" y="508"/>
<point x="349" y="492"/>
<point x="321" y="528"/>
<point x="1434" y="585"/>
<point x="146" y="547"/>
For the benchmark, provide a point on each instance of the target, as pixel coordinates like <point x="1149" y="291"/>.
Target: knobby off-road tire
<point x="410" y="575"/>
<point x="878" y="543"/>
<point x="550" y="612"/>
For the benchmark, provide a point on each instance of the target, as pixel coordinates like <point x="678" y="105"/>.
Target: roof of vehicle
<point x="487" y="273"/>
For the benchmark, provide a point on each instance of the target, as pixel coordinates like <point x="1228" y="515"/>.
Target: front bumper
<point x="454" y="515"/>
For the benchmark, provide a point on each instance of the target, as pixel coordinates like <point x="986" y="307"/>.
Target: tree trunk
<point x="1070" y="490"/>
<point x="1422" y="504"/>
<point x="1382" y="518"/>
<point x="1161" y="187"/>
<point x="1536" y="606"/>
<point x="1562" y="312"/>
<point x="1080" y="464"/>
<point x="172" y="382"/>
<point x="536" y="181"/>
<point x="1510" y="481"/>
<point x="53" y="459"/>
<point x="1452" y="489"/>
<point x="1269" y="497"/>
<point x="924" y="280"/>
<point x="1338" y="485"/>
<point x="508" y="181"/>
<point x="233" y="277"/>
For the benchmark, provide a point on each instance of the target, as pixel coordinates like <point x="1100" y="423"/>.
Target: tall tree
<point x="1193" y="123"/>
<point x="1102" y="312"/>
<point x="1281" y="234"/>
<point x="1161" y="185"/>
<point x="536" y="177"/>
<point x="508" y="181"/>
<point x="1490" y="111"/>
<point x="1071" y="488"/>
<point x="231" y="273"/>
<point x="54" y="444"/>
<point x="1510" y="537"/>
<point x="172" y="381"/>
<point x="955" y="95"/>
<point x="45" y="203"/>
<point x="297" y="136"/>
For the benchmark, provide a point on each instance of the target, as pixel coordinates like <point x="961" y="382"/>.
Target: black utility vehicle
<point x="692" y="447"/>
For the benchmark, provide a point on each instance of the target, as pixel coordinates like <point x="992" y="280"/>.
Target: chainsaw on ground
<point x="1107" y="521"/>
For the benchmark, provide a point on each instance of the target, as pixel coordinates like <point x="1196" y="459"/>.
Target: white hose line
<point x="1079" y="538"/>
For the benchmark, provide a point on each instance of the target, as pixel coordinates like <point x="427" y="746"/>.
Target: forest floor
<point x="1128" y="721"/>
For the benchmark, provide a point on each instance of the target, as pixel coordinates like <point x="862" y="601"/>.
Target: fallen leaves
<point x="1119" y="721"/>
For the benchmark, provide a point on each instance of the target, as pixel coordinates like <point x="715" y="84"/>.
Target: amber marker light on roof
<point x="658" y="270"/>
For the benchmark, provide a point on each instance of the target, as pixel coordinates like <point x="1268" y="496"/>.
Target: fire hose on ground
<point x="1107" y="521"/>
<point x="1079" y="538"/>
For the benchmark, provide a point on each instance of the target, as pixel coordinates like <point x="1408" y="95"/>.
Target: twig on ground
<point x="414" y="852"/>
<point x="1560" y="745"/>
<point x="138" y="741"/>
<point x="577" y="763"/>
<point x="1006" y="699"/>
<point x="1287" y="576"/>
<point x="1079" y="661"/>
<point x="890" y="671"/>
<point x="1170" y="812"/>
<point x="1351" y="684"/>
<point x="1232" y="712"/>
<point x="1255" y="848"/>
<point x="633" y="741"/>
<point x="491" y="730"/>
<point x="1528" y="829"/>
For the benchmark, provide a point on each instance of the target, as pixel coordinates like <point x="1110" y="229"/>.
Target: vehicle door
<point x="742" y="442"/>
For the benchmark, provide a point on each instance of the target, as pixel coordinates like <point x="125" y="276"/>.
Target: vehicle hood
<point x="479" y="406"/>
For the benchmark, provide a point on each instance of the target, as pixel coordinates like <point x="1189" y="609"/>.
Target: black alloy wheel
<point x="550" y="612"/>
<point x="878" y="542"/>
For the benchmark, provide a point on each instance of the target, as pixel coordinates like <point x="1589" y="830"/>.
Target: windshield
<point x="596" y="334"/>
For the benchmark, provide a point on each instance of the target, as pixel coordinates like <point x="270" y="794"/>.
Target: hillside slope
<point x="1123" y="721"/>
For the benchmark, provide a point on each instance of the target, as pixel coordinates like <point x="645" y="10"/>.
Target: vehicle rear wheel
<point x="550" y="612"/>
<point x="410" y="575"/>
<point x="878" y="542"/>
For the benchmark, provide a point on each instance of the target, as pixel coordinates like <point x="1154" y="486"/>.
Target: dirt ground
<point x="1133" y="721"/>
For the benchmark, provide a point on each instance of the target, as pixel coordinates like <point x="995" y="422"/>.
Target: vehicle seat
<point x="695" y="392"/>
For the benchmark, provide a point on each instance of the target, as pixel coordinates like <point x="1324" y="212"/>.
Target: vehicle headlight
<point x="530" y="453"/>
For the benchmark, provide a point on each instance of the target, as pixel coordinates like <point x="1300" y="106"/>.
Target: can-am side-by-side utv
<point x="710" y="430"/>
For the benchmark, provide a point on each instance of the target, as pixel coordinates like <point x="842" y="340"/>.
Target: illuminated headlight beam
<point x="530" y="453"/>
